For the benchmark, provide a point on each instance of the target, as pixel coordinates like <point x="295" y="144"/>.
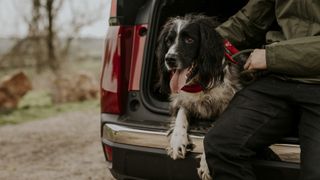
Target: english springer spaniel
<point x="198" y="76"/>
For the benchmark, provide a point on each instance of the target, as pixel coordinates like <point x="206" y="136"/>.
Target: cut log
<point x="12" y="89"/>
<point x="75" y="87"/>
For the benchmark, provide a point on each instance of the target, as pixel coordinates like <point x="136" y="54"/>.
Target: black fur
<point x="211" y="53"/>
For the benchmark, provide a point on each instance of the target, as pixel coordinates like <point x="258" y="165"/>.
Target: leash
<point x="231" y="52"/>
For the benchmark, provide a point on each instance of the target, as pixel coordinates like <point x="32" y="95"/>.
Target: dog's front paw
<point x="203" y="170"/>
<point x="179" y="144"/>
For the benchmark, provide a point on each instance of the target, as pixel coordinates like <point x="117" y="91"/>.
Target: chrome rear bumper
<point x="144" y="138"/>
<point x="158" y="139"/>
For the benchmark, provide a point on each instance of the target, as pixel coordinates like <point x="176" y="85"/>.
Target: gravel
<point x="62" y="147"/>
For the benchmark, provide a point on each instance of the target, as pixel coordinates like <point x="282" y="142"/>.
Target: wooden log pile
<point x="12" y="88"/>
<point x="75" y="87"/>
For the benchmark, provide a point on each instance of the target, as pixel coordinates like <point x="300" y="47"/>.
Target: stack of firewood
<point x="12" y="88"/>
<point x="74" y="87"/>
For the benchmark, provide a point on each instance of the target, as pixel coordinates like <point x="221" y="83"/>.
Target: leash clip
<point x="229" y="51"/>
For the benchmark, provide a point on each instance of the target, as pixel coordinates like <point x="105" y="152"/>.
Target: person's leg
<point x="257" y="117"/>
<point x="308" y="96"/>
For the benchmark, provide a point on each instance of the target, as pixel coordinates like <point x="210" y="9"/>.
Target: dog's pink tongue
<point x="178" y="80"/>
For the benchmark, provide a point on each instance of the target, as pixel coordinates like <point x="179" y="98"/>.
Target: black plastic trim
<point x="149" y="163"/>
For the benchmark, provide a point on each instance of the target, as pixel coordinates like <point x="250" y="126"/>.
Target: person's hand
<point x="257" y="60"/>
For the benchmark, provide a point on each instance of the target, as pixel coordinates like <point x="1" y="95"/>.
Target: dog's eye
<point x="188" y="40"/>
<point x="168" y="42"/>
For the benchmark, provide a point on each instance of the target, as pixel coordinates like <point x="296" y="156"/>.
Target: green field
<point x="42" y="112"/>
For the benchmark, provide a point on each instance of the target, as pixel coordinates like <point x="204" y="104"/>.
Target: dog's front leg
<point x="178" y="139"/>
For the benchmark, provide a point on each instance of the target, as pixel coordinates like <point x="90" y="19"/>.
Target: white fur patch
<point x="173" y="48"/>
<point x="179" y="137"/>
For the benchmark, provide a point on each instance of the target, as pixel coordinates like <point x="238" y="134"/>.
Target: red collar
<point x="229" y="51"/>
<point x="193" y="88"/>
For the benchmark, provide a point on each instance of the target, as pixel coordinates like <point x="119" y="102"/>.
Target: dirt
<point x="63" y="147"/>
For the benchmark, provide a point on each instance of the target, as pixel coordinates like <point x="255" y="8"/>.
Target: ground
<point x="63" y="147"/>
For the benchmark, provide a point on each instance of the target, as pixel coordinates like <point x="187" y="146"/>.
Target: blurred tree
<point x="34" y="33"/>
<point x="47" y="44"/>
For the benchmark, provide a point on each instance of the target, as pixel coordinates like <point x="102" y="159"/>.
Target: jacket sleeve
<point x="247" y="28"/>
<point x="296" y="57"/>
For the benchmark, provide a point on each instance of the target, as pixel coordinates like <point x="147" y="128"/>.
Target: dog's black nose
<point x="171" y="60"/>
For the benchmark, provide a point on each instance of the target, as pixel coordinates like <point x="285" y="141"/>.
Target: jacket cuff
<point x="271" y="57"/>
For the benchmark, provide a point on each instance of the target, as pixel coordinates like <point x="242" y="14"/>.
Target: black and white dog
<point x="194" y="70"/>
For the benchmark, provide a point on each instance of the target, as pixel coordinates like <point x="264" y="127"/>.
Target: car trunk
<point x="137" y="25"/>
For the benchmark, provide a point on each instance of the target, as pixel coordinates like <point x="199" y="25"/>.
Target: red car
<point x="135" y="116"/>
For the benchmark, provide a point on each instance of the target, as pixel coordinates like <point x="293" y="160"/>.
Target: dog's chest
<point x="205" y="104"/>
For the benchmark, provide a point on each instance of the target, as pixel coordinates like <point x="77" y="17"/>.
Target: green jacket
<point x="294" y="51"/>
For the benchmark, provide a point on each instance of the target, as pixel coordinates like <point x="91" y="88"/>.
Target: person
<point x="271" y="107"/>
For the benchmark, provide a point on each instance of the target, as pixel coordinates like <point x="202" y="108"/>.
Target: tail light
<point x="121" y="71"/>
<point x="114" y="79"/>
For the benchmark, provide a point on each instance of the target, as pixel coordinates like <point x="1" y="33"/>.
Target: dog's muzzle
<point x="171" y="61"/>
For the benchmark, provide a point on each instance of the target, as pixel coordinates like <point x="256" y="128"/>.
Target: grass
<point x="38" y="105"/>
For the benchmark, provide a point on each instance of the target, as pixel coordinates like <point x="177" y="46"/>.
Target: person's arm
<point x="296" y="57"/>
<point x="248" y="26"/>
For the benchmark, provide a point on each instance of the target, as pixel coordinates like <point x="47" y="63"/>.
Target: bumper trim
<point x="158" y="139"/>
<point x="151" y="139"/>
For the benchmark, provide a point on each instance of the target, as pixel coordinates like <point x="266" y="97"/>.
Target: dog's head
<point x="191" y="42"/>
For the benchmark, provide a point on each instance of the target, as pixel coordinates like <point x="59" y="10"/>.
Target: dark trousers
<point x="258" y="116"/>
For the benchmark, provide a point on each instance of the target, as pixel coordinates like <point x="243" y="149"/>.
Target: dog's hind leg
<point x="203" y="170"/>
<point x="179" y="142"/>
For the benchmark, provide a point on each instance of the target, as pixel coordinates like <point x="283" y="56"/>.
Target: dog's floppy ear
<point x="211" y="53"/>
<point x="164" y="76"/>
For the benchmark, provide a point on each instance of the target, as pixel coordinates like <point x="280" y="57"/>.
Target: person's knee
<point x="209" y="138"/>
<point x="214" y="140"/>
<point x="220" y="142"/>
